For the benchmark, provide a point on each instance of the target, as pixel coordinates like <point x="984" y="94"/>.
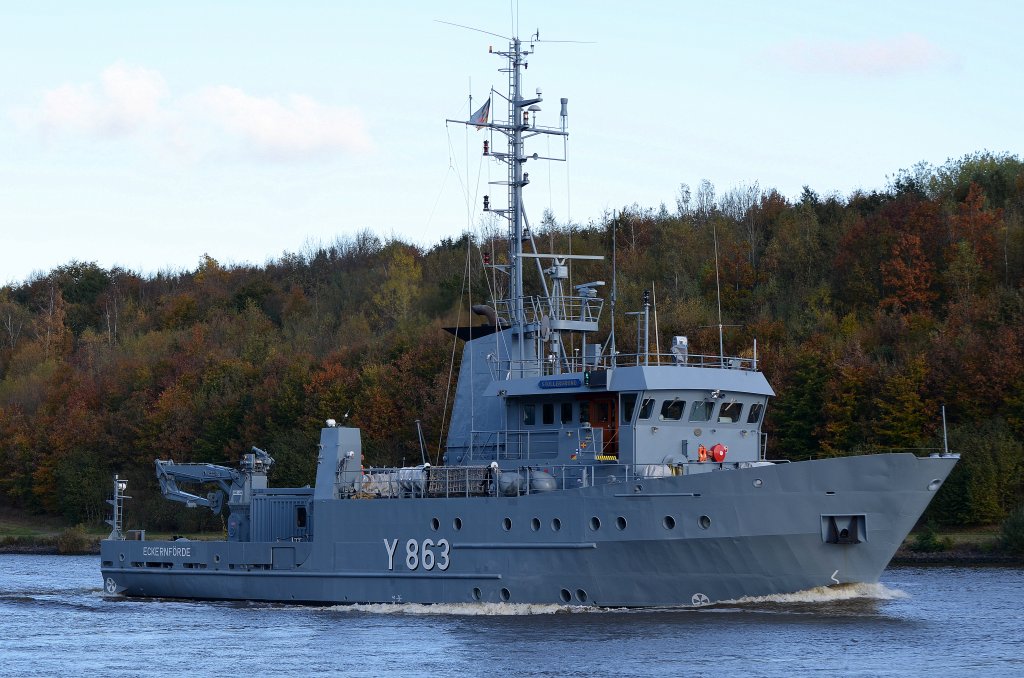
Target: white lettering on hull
<point x="421" y="554"/>
<point x="390" y="548"/>
<point x="167" y="551"/>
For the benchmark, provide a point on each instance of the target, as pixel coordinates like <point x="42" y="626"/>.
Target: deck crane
<point x="237" y="484"/>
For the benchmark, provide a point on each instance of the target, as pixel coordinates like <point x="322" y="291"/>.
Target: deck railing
<point x="477" y="481"/>
<point x="576" y="364"/>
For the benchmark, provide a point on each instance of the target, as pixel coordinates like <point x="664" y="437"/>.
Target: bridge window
<point x="755" y="413"/>
<point x="729" y="413"/>
<point x="628" y="407"/>
<point x="566" y="413"/>
<point x="701" y="411"/>
<point x="672" y="410"/>
<point x="529" y="414"/>
<point x="647" y="408"/>
<point x="547" y="413"/>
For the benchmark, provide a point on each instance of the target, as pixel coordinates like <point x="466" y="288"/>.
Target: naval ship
<point x="573" y="473"/>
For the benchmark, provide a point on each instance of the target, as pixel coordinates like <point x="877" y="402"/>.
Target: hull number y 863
<point x="424" y="554"/>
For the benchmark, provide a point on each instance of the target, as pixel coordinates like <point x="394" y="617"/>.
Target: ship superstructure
<point x="572" y="473"/>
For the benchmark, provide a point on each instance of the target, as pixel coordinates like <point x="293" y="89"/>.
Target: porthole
<point x="704" y="522"/>
<point x="758" y="482"/>
<point x="556" y="524"/>
<point x="620" y="523"/>
<point x="121" y="557"/>
<point x="595" y="523"/>
<point x="638" y="488"/>
<point x="669" y="522"/>
<point x="435" y="524"/>
<point x="506" y="524"/>
<point x="535" y="524"/>
<point x="581" y="595"/>
<point x="505" y="595"/>
<point x="565" y="595"/>
<point x="457" y="523"/>
<point x="934" y="485"/>
<point x="476" y="594"/>
<point x="216" y="558"/>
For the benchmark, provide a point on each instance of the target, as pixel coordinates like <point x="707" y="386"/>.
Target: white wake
<point x="826" y="594"/>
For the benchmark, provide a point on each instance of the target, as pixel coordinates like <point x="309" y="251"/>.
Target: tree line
<point x="870" y="311"/>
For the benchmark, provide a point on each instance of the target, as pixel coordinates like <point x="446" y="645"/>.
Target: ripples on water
<point x="56" y="620"/>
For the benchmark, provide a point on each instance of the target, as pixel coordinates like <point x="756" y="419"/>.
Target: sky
<point x="147" y="135"/>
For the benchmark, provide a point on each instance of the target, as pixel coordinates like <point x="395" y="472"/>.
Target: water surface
<point x="55" y="619"/>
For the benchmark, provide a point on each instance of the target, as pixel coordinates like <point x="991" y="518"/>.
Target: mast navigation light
<point x="487" y="203"/>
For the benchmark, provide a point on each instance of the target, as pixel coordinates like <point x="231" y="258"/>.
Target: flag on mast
<point x="482" y="115"/>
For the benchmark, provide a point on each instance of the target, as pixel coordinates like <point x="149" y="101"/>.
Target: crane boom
<point x="237" y="484"/>
<point x="170" y="474"/>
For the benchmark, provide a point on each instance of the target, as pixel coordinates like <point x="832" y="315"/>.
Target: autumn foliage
<point x="870" y="312"/>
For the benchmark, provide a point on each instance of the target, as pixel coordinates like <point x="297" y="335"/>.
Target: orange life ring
<point x="718" y="451"/>
<point x="702" y="453"/>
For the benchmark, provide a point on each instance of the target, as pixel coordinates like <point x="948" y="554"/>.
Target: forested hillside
<point x="870" y="312"/>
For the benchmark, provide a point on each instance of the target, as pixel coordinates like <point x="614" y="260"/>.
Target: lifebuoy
<point x="702" y="453"/>
<point x="718" y="452"/>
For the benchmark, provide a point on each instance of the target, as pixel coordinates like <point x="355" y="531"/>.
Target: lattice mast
<point x="543" y="317"/>
<point x="518" y="125"/>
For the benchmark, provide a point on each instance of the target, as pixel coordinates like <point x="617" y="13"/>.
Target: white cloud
<point x="134" y="94"/>
<point x="894" y="56"/>
<point x="299" y="126"/>
<point x="127" y="99"/>
<point x="133" y="101"/>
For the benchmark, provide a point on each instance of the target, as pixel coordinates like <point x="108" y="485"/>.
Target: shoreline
<point x="905" y="556"/>
<point x="45" y="550"/>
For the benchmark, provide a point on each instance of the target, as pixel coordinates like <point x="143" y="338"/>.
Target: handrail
<point x="465" y="481"/>
<point x="508" y="368"/>
<point x="562" y="308"/>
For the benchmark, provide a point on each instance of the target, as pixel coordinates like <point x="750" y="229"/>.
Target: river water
<point x="937" y="621"/>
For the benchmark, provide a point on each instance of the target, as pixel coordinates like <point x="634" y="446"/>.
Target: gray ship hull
<point x="673" y="541"/>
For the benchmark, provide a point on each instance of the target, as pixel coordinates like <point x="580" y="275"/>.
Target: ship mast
<point x="515" y="178"/>
<point x="516" y="128"/>
<point x="554" y="312"/>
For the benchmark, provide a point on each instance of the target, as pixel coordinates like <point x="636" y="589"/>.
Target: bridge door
<point x="603" y="412"/>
